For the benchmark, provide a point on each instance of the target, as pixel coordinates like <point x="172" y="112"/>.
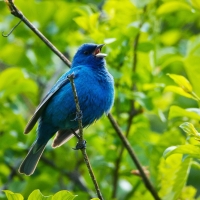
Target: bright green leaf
<point x="176" y="111"/>
<point x="82" y="21"/>
<point x="139" y="3"/>
<point x="170" y="37"/>
<point x="170" y="60"/>
<point x="13" y="196"/>
<point x="196" y="4"/>
<point x="36" y="194"/>
<point x="179" y="91"/>
<point x="172" y="6"/>
<point x="109" y="40"/>
<point x="14" y="82"/>
<point x="192" y="60"/>
<point x="63" y="195"/>
<point x="191" y="150"/>
<point x="182" y="82"/>
<point x="189" y="129"/>
<point x="173" y="176"/>
<point x="188" y="192"/>
<point x="145" y="46"/>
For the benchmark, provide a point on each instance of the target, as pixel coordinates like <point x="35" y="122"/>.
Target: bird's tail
<point x="30" y="162"/>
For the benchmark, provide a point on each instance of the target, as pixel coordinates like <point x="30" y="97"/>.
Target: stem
<point x="195" y="96"/>
<point x="85" y="156"/>
<point x="127" y="145"/>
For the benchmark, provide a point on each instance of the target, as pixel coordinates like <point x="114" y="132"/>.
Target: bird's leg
<point x="81" y="144"/>
<point x="79" y="115"/>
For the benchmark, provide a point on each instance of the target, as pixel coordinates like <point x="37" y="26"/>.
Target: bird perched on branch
<point x="57" y="111"/>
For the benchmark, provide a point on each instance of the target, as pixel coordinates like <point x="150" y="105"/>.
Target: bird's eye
<point x="86" y="52"/>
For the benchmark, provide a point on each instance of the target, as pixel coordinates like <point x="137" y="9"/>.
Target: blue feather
<point x="56" y="113"/>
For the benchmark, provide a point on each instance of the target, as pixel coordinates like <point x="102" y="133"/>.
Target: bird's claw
<point x="79" y="115"/>
<point x="80" y="145"/>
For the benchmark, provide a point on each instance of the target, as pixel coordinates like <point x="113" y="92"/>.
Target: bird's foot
<point x="79" y="115"/>
<point x="80" y="145"/>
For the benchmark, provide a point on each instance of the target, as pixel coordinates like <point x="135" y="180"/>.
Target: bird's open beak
<point x="97" y="51"/>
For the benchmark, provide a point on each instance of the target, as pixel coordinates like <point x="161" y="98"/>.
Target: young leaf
<point x="36" y="194"/>
<point x="63" y="195"/>
<point x="182" y="82"/>
<point x="189" y="129"/>
<point x="191" y="150"/>
<point x="172" y="6"/>
<point x="176" y="111"/>
<point x="173" y="176"/>
<point x="179" y="91"/>
<point x="13" y="196"/>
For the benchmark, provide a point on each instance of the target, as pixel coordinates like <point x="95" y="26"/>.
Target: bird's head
<point x="89" y="54"/>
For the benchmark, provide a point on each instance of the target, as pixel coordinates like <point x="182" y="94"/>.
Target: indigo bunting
<point x="57" y="111"/>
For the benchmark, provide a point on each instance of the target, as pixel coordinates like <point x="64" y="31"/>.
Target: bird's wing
<point x="59" y="84"/>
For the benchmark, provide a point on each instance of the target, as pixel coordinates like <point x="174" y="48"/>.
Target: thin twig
<point x="127" y="145"/>
<point x="19" y="14"/>
<point x="83" y="150"/>
<point x="12" y="29"/>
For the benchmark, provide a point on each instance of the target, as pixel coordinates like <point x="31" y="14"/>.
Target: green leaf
<point x="88" y="23"/>
<point x="196" y="4"/>
<point x="191" y="62"/>
<point x="179" y="90"/>
<point x="170" y="37"/>
<point x="14" y="81"/>
<point x="176" y="111"/>
<point x="139" y="3"/>
<point x="189" y="129"/>
<point x="145" y="46"/>
<point x="182" y="82"/>
<point x="188" y="192"/>
<point x="172" y="6"/>
<point x="95" y="199"/>
<point x="13" y="196"/>
<point x="36" y="194"/>
<point x="173" y="176"/>
<point x="63" y="195"/>
<point x="191" y="150"/>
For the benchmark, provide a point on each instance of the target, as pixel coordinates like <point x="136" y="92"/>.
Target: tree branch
<point x="19" y="14"/>
<point x="83" y="150"/>
<point x="127" y="145"/>
<point x="132" y="113"/>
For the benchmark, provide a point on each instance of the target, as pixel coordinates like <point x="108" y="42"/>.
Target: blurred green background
<point x="145" y="40"/>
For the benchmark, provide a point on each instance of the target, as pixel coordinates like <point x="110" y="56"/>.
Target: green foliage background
<point x="162" y="36"/>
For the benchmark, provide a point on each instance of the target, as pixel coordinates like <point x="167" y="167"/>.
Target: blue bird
<point x="57" y="111"/>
